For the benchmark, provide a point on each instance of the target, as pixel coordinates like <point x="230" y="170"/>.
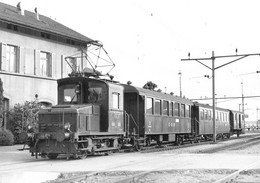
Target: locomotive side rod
<point x="213" y="68"/>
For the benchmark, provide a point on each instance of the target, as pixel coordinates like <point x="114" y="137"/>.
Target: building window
<point x="12" y="61"/>
<point x="115" y="97"/>
<point x="45" y="64"/>
<point x="71" y="65"/>
<point x="149" y="106"/>
<point x="165" y="108"/>
<point x="157" y="107"/>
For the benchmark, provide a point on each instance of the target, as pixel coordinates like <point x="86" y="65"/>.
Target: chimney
<point x="36" y="13"/>
<point x="19" y="9"/>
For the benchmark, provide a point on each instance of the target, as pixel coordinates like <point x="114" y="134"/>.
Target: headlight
<point x="67" y="126"/>
<point x="29" y="127"/>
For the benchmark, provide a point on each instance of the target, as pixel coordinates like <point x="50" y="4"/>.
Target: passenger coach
<point x="237" y="122"/>
<point x="202" y="115"/>
<point x="157" y="117"/>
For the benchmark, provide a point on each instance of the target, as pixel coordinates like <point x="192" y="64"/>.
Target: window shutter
<point x="21" y="60"/>
<point x="3" y="56"/>
<point x="62" y="65"/>
<point x="53" y="66"/>
<point x="36" y="62"/>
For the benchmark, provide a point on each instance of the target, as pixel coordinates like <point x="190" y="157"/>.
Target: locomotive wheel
<point x="82" y="156"/>
<point x="137" y="147"/>
<point x="228" y="135"/>
<point x="52" y="155"/>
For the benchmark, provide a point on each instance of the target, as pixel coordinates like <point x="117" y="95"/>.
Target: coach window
<point x="157" y="107"/>
<point x="171" y="109"/>
<point x="187" y="111"/>
<point x="206" y="114"/>
<point x="182" y="110"/>
<point x="115" y="97"/>
<point x="177" y="109"/>
<point x="209" y="115"/>
<point x="202" y="114"/>
<point x="149" y="105"/>
<point x="165" y="108"/>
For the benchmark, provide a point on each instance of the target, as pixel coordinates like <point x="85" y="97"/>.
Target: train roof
<point x="209" y="106"/>
<point x="82" y="78"/>
<point x="161" y="95"/>
<point x="235" y="111"/>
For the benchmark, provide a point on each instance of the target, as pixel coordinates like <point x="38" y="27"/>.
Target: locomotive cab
<point x="88" y="119"/>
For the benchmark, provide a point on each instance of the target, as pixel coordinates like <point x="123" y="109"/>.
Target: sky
<point x="146" y="39"/>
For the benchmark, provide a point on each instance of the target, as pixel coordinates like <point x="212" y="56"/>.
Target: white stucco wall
<point x="24" y="85"/>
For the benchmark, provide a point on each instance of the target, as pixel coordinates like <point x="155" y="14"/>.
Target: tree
<point x="21" y="116"/>
<point x="150" y="85"/>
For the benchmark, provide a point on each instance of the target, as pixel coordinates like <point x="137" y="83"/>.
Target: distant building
<point x="33" y="48"/>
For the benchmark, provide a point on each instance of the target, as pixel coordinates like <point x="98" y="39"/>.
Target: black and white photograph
<point x="133" y="91"/>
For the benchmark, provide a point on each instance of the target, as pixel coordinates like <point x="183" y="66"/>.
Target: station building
<point x="33" y="49"/>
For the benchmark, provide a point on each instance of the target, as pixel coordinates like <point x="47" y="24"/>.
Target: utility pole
<point x="243" y="100"/>
<point x="257" y="117"/>
<point x="213" y="68"/>
<point x="180" y="83"/>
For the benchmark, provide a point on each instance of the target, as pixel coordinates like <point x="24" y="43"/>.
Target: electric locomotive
<point x="88" y="119"/>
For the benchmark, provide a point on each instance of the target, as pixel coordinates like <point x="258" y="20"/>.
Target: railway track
<point x="232" y="177"/>
<point x="185" y="145"/>
<point x="135" y="176"/>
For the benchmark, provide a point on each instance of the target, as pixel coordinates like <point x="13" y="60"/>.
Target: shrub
<point x="21" y="116"/>
<point x="6" y="137"/>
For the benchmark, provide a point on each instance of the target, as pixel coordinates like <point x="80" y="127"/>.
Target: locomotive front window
<point x="69" y="93"/>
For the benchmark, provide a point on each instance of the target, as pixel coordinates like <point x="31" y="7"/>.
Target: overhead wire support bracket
<point x="213" y="68"/>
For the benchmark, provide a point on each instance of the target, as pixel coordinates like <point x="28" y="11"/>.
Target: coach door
<point x="239" y="118"/>
<point x="134" y="107"/>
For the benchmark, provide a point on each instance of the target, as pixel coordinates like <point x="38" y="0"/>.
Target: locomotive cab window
<point x="70" y="93"/>
<point x="115" y="99"/>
